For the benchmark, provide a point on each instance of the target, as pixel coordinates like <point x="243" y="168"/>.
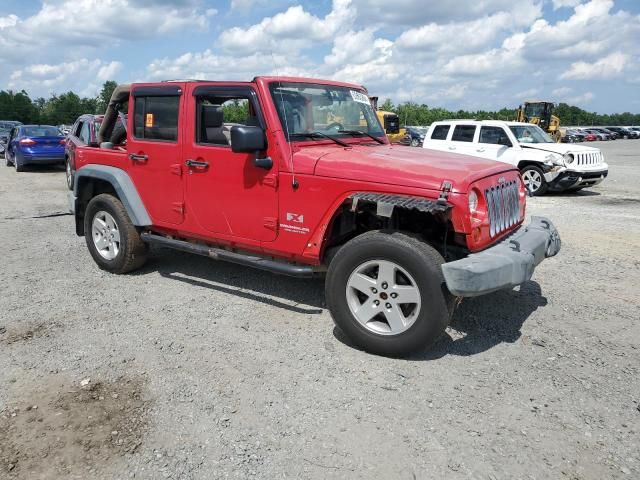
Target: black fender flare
<point x="121" y="183"/>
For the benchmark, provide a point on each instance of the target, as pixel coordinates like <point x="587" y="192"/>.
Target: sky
<point x="463" y="54"/>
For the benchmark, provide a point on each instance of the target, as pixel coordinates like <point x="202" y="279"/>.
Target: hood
<point x="560" y="148"/>
<point x="406" y="166"/>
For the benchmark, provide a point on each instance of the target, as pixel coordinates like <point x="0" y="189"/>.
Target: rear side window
<point x="494" y="135"/>
<point x="156" y="118"/>
<point x="440" y="132"/>
<point x="463" y="133"/>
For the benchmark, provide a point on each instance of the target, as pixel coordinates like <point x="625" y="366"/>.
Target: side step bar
<point x="300" y="271"/>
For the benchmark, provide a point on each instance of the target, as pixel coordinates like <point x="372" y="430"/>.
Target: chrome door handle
<point x="138" y="157"/>
<point x="196" y="164"/>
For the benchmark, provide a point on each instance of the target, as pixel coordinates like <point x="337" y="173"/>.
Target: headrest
<point x="212" y="116"/>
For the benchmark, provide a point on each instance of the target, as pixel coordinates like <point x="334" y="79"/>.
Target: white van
<point x="544" y="164"/>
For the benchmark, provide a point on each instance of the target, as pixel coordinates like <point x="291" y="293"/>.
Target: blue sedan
<point x="34" y="144"/>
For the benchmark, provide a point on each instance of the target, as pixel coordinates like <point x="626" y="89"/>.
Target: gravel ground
<point x="191" y="369"/>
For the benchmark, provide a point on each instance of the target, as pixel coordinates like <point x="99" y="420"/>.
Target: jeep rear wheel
<point x="112" y="239"/>
<point x="534" y="180"/>
<point x="386" y="292"/>
<point x="68" y="170"/>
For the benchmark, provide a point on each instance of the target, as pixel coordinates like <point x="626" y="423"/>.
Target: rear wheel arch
<point x="93" y="180"/>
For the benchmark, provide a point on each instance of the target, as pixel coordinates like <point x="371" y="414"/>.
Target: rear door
<point x="436" y="138"/>
<point x="461" y="140"/>
<point x="155" y="151"/>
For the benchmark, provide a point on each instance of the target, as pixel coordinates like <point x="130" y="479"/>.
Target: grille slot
<point x="503" y="206"/>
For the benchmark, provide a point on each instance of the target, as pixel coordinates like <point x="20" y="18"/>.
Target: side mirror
<point x="248" y="139"/>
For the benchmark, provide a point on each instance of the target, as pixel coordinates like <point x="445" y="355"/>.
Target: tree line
<point x="61" y="109"/>
<point x="411" y="113"/>
<point x="66" y="107"/>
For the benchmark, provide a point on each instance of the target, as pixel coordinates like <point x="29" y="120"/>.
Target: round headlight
<point x="473" y="201"/>
<point x="568" y="158"/>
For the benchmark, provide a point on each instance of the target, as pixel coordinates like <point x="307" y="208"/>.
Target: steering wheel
<point x="335" y="125"/>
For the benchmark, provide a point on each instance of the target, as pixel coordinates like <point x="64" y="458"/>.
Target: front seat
<point x="212" y="125"/>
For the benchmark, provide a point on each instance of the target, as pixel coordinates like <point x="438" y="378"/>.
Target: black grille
<point x="503" y="206"/>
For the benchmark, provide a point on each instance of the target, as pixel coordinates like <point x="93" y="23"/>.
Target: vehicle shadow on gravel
<point x="486" y="321"/>
<point x="306" y="297"/>
<point x="481" y="323"/>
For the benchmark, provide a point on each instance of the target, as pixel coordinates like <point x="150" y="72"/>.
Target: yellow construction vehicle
<point x="389" y="121"/>
<point x="540" y="113"/>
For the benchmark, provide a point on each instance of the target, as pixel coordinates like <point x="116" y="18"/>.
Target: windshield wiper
<point x="359" y="132"/>
<point x="318" y="134"/>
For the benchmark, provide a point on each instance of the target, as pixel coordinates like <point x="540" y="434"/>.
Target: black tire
<point x="69" y="173"/>
<point x="544" y="186"/>
<point x="132" y="250"/>
<point x="421" y="261"/>
<point x="119" y="134"/>
<point x="16" y="163"/>
<point x="415" y="142"/>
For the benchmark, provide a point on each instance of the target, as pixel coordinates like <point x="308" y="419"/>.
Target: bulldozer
<point x="541" y="113"/>
<point x="389" y="121"/>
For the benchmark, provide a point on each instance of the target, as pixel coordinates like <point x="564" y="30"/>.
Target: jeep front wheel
<point x="112" y="239"/>
<point x="386" y="292"/>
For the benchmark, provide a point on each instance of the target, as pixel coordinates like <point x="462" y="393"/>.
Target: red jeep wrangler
<point x="295" y="176"/>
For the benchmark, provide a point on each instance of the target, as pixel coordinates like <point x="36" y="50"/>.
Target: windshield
<point x="41" y="131"/>
<point x="306" y="108"/>
<point x="530" y="134"/>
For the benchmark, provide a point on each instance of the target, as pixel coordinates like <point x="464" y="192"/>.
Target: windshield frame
<point x="536" y="132"/>
<point x="343" y="94"/>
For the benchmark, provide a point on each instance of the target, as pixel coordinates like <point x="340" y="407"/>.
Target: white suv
<point x="544" y="164"/>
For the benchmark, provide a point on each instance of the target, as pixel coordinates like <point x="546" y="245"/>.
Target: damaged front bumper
<point x="506" y="264"/>
<point x="569" y="179"/>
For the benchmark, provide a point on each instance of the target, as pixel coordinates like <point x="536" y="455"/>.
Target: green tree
<point x="105" y="95"/>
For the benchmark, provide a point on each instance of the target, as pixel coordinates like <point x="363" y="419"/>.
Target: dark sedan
<point x="414" y="136"/>
<point x="34" y="144"/>
<point x="624" y="132"/>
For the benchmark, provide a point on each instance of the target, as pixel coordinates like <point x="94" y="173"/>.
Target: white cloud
<point x="289" y="31"/>
<point x="82" y="76"/>
<point x="8" y="21"/>
<point x="581" y="99"/>
<point x="610" y="66"/>
<point x="561" y="92"/>
<point x="565" y="3"/>
<point x="420" y="12"/>
<point x="467" y="36"/>
<point x="93" y="24"/>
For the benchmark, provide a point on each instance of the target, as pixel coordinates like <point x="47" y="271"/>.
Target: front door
<point x="225" y="192"/>
<point x="155" y="152"/>
<point x="494" y="143"/>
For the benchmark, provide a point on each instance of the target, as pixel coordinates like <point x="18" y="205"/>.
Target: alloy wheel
<point x="383" y="297"/>
<point x="532" y="180"/>
<point x="106" y="235"/>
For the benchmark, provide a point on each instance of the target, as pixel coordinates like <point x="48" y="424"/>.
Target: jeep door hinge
<point x="176" y="169"/>
<point x="271" y="180"/>
<point x="178" y="207"/>
<point x="271" y="223"/>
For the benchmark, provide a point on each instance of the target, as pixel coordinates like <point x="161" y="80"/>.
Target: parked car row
<point x="590" y="134"/>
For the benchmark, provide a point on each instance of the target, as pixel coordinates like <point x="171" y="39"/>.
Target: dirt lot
<point x="196" y="369"/>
